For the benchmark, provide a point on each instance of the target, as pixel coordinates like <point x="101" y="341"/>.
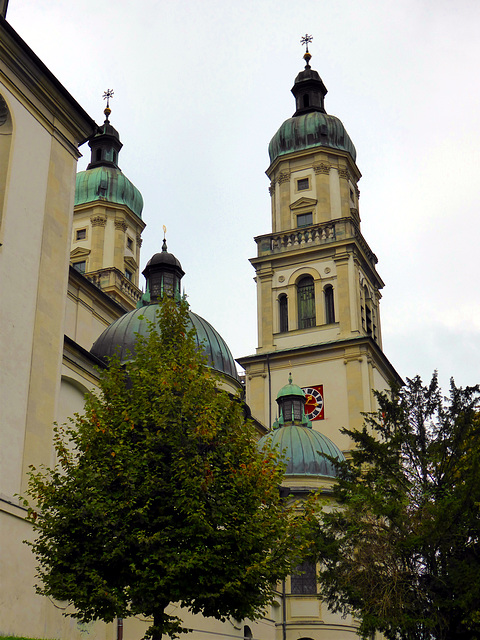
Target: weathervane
<point x="106" y="96"/>
<point x="305" y="40"/>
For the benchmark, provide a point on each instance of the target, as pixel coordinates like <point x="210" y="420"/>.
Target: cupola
<point x="306" y="452"/>
<point x="163" y="274"/>
<point x="309" y="90"/>
<point x="105" y="145"/>
<point x="310" y="126"/>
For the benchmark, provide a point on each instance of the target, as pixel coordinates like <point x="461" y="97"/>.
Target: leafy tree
<point x="403" y="550"/>
<point x="160" y="495"/>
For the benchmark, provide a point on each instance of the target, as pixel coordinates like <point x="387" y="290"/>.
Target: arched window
<point x="306" y="302"/>
<point x="305" y="581"/>
<point x="98" y="155"/>
<point x="306" y="100"/>
<point x="283" y="312"/>
<point x="247" y="633"/>
<point x="329" y="304"/>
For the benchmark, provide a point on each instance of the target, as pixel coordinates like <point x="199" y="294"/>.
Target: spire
<point x="105" y="144"/>
<point x="309" y="90"/>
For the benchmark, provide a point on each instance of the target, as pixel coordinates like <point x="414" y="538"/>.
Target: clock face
<point x="314" y="403"/>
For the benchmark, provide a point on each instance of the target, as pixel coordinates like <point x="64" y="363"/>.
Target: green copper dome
<point x="314" y="129"/>
<point x="304" y="450"/>
<point x="107" y="184"/>
<point x="120" y="338"/>
<point x="290" y="389"/>
<point x="310" y="125"/>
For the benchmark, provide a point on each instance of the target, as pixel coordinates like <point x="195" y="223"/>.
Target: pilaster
<point x="98" y="222"/>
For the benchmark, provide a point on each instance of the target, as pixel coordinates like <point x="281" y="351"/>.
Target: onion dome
<point x="163" y="273"/>
<point x="304" y="449"/>
<point x="103" y="180"/>
<point x="310" y="125"/>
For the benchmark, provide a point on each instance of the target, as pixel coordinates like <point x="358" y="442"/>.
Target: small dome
<point x="313" y="129"/>
<point x="290" y="389"/>
<point x="121" y="336"/>
<point x="107" y="184"/>
<point x="164" y="257"/>
<point x="304" y="450"/>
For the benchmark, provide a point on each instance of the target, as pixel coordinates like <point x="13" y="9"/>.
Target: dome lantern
<point x="105" y="144"/>
<point x="309" y="89"/>
<point x="310" y="126"/>
<point x="306" y="452"/>
<point x="291" y="403"/>
<point x="163" y="274"/>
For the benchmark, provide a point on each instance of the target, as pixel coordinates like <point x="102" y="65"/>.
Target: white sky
<point x="201" y="87"/>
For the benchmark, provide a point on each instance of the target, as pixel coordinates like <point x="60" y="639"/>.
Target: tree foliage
<point x="403" y="551"/>
<point x="160" y="495"/>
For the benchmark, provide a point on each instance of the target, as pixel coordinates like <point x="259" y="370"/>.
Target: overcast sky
<point x="201" y="87"/>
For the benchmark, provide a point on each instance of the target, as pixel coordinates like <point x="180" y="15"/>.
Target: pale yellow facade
<point x="51" y="315"/>
<point x="344" y="352"/>
<point x="107" y="237"/>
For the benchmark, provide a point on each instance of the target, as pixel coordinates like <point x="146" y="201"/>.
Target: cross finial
<point x="305" y="40"/>
<point x="106" y="96"/>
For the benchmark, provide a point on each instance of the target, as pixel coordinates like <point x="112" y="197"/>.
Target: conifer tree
<point x="402" y="553"/>
<point x="161" y="496"/>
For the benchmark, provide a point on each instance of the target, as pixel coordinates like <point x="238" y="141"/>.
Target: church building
<point x="72" y="294"/>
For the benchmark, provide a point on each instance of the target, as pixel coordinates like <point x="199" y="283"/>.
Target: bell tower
<point x="318" y="289"/>
<point x="107" y="222"/>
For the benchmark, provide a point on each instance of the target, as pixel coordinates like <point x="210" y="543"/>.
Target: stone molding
<point x="284" y="177"/>
<point x="98" y="221"/>
<point x="322" y="168"/>
<point x="120" y="225"/>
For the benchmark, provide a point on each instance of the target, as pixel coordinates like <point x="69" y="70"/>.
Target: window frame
<point x="307" y="317"/>
<point x="308" y="214"/>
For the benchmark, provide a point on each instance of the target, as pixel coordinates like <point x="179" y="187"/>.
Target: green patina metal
<point x="110" y="185"/>
<point x="120" y="337"/>
<point x="303" y="448"/>
<point x="314" y="129"/>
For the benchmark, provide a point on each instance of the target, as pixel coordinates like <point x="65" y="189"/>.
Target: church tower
<point x="107" y="223"/>
<point x="318" y="289"/>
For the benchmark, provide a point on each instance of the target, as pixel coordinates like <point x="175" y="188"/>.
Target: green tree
<point x="160" y="495"/>
<point x="402" y="551"/>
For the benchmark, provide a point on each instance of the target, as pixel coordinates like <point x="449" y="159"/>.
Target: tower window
<point x="306" y="303"/>
<point x="302" y="184"/>
<point x="283" y="310"/>
<point x="80" y="266"/>
<point x="129" y="243"/>
<point x="306" y="100"/>
<point x="98" y="155"/>
<point x="304" y="219"/>
<point x="306" y="581"/>
<point x="80" y="234"/>
<point x="128" y="274"/>
<point x="329" y="304"/>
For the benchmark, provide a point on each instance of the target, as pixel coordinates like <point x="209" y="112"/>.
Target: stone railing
<point x="111" y="278"/>
<point x="314" y="235"/>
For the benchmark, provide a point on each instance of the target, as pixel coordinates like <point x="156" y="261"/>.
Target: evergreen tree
<point x="160" y="495"/>
<point x="402" y="552"/>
